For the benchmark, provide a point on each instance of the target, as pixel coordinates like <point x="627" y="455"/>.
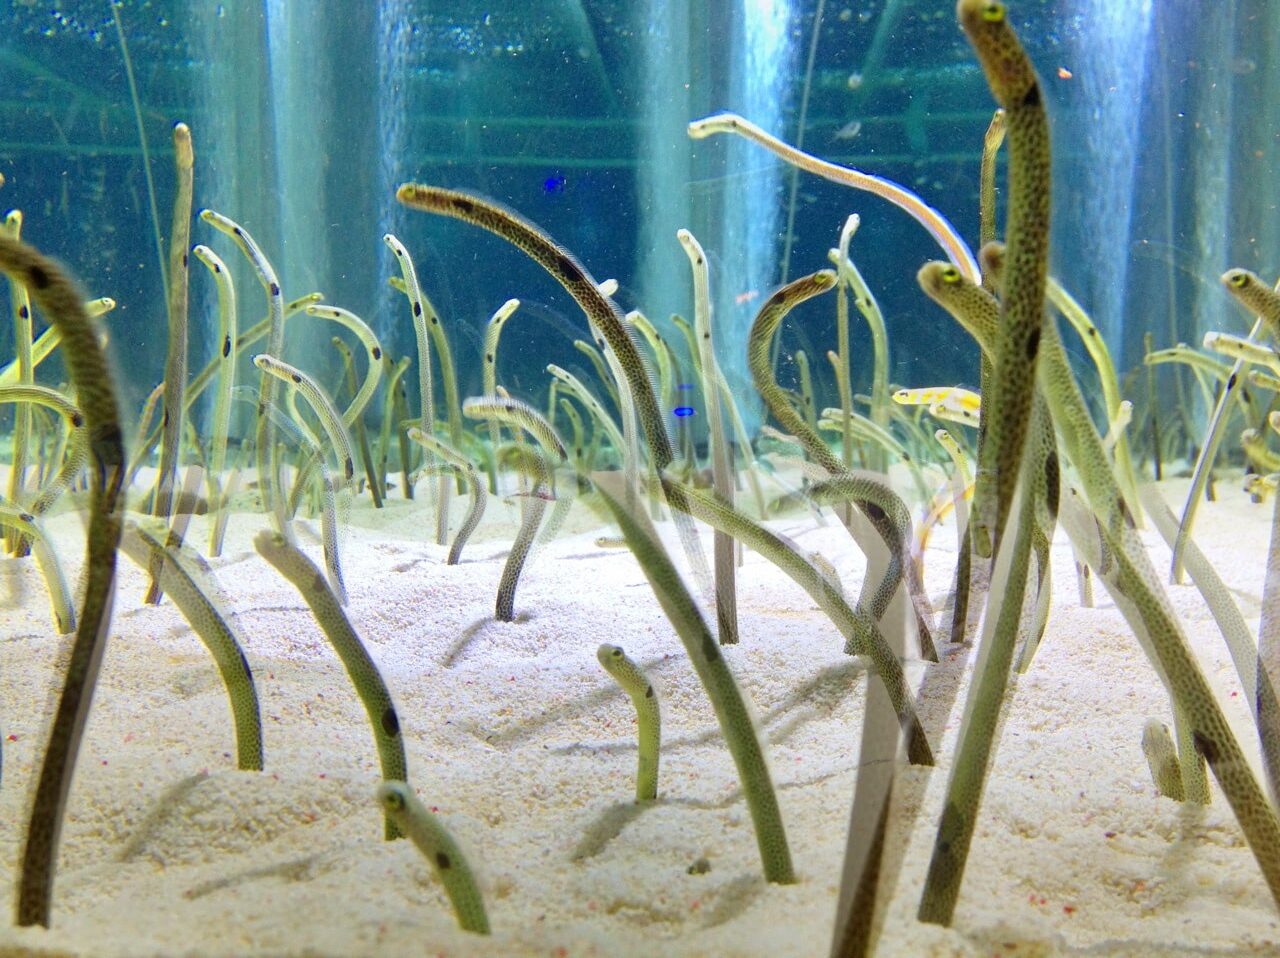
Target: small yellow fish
<point x="949" y="396"/>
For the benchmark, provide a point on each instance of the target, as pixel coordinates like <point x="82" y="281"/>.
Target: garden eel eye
<point x="993" y="12"/>
<point x="1239" y="280"/>
<point x="393" y="801"/>
<point x="950" y="274"/>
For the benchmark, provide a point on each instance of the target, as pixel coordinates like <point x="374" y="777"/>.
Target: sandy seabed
<point x="527" y="750"/>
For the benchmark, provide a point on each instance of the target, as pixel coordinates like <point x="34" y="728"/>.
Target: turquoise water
<point x="306" y="117"/>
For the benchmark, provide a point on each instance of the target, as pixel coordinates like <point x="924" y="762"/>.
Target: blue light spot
<point x="684" y="387"/>
<point x="683" y="411"/>
<point x="554" y="184"/>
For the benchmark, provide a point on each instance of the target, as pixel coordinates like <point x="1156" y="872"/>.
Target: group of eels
<point x="1030" y="390"/>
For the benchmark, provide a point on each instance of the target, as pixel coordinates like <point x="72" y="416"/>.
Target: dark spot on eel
<point x="1051" y="478"/>
<point x="1205" y="747"/>
<point x="442" y="861"/>
<point x="390" y="722"/>
<point x="568" y="269"/>
<point x="1033" y="345"/>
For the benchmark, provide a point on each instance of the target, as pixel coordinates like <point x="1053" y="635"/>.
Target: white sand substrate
<point x="527" y="750"/>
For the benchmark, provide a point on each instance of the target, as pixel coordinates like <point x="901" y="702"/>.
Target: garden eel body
<point x="24" y="367"/>
<point x="603" y="314"/>
<point x="24" y="524"/>
<point x="648" y="716"/>
<point x="977" y="312"/>
<point x="520" y="415"/>
<point x="294" y="565"/>
<point x="1007" y="419"/>
<point x="1256" y="296"/>
<point x="268" y="471"/>
<point x="426" y="391"/>
<point x="723" y="550"/>
<point x="334" y="427"/>
<point x="48" y="341"/>
<point x="991" y="142"/>
<point x="881" y="505"/>
<point x="175" y="367"/>
<point x="188" y="581"/>
<point x="492" y="335"/>
<point x="942" y="231"/>
<point x="373" y="353"/>
<point x="1016" y="89"/>
<point x="63" y="307"/>
<point x="437" y="845"/>
<point x="76" y="448"/>
<point x="227" y="332"/>
<point x="200" y="382"/>
<point x="360" y="435"/>
<point x="1237" y="347"/>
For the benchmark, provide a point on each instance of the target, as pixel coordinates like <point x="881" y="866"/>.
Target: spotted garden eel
<point x="520" y="415"/>
<point x="359" y="434"/>
<point x="175" y="366"/>
<point x="492" y="336"/>
<point x="1016" y="89"/>
<point x="268" y="465"/>
<point x="77" y="451"/>
<point x="937" y="225"/>
<point x="26" y="525"/>
<point x="293" y="564"/>
<point x="228" y="330"/>
<point x="636" y="684"/>
<point x="426" y="389"/>
<point x="63" y="306"/>
<point x="723" y="549"/>
<point x="188" y="581"/>
<point x="977" y="312"/>
<point x="441" y="851"/>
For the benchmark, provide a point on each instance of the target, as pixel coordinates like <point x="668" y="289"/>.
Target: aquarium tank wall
<point x="666" y="188"/>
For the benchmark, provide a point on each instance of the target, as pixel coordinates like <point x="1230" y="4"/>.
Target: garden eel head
<point x="1238" y="279"/>
<point x="392" y="799"/>
<point x="936" y="277"/>
<point x="1009" y="72"/>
